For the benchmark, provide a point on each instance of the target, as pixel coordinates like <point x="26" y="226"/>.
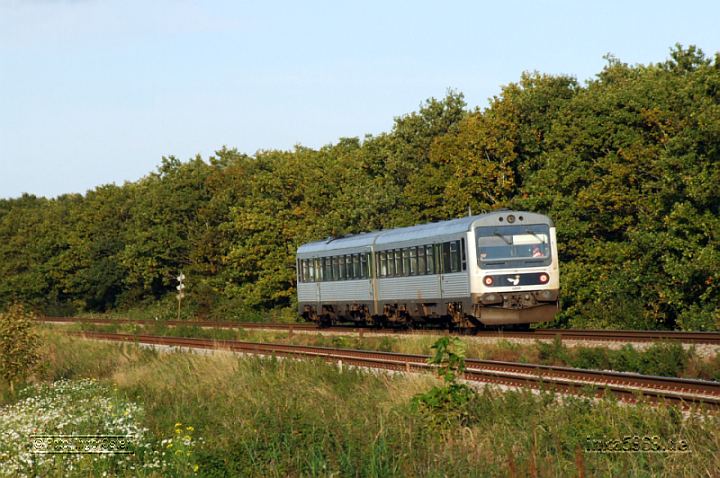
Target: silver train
<point x="494" y="269"/>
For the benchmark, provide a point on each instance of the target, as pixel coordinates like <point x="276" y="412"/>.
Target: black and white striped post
<point x="181" y="292"/>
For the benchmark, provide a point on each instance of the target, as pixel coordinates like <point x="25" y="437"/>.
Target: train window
<point x="422" y="269"/>
<point x="406" y="261"/>
<point x="327" y="268"/>
<point x="363" y="266"/>
<point x="455" y="256"/>
<point x="413" y="261"/>
<point x="356" y="266"/>
<point x="341" y="267"/>
<point x="383" y="264"/>
<point x="391" y="263"/>
<point x="335" y="268"/>
<point x="318" y="270"/>
<point x="463" y="259"/>
<point x="430" y="259"/>
<point x="397" y="257"/>
<point x="446" y="268"/>
<point x="303" y="270"/>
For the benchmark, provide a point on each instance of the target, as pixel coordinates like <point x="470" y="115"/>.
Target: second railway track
<point x="710" y="338"/>
<point x="626" y="386"/>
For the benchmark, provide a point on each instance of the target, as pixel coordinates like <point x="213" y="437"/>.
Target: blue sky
<point x="97" y="91"/>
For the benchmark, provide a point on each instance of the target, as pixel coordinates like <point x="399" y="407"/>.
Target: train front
<point x="515" y="278"/>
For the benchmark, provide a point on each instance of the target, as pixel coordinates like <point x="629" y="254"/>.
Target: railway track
<point x="711" y="338"/>
<point x="626" y="386"/>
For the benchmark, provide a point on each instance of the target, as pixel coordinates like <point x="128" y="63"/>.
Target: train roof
<point x="418" y="233"/>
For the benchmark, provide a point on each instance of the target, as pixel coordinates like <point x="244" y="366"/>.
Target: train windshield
<point x="505" y="247"/>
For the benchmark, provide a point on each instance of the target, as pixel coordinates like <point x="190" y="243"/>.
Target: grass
<point x="267" y="417"/>
<point x="661" y="358"/>
<point x="167" y="309"/>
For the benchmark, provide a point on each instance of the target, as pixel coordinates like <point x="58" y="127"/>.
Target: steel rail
<point x="712" y="338"/>
<point x="627" y="386"/>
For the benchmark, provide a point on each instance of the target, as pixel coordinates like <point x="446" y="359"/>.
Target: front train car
<point x="515" y="277"/>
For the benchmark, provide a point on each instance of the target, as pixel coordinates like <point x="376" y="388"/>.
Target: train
<point x="498" y="269"/>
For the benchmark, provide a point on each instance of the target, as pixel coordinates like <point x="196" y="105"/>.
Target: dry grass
<point x="273" y="417"/>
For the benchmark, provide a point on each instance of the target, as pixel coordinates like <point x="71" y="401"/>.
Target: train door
<point x="453" y="265"/>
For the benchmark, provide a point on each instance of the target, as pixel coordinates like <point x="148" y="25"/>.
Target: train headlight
<point x="488" y="280"/>
<point x="510" y="219"/>
<point x="544" y="278"/>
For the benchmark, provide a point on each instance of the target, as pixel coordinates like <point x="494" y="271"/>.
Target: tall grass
<point x="272" y="417"/>
<point x="662" y="358"/>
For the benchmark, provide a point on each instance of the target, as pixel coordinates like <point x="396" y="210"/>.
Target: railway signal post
<point x="181" y="292"/>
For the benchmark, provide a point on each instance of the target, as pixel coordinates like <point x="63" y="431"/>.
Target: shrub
<point x="18" y="345"/>
<point x="553" y="352"/>
<point x="451" y="404"/>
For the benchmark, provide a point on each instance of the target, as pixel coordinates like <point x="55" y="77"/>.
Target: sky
<point x="97" y="91"/>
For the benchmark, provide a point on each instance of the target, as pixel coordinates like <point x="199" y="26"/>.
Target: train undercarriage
<point x="516" y="310"/>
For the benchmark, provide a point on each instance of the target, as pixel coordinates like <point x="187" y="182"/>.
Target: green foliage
<point x="449" y="357"/>
<point x="625" y="164"/>
<point x="18" y="345"/>
<point x="553" y="352"/>
<point x="666" y="359"/>
<point x="450" y="404"/>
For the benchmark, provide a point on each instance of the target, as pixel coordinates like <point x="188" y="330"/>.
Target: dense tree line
<point x="628" y="166"/>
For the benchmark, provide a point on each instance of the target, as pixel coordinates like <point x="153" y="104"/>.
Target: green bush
<point x="447" y="406"/>
<point x="554" y="352"/>
<point x="18" y="345"/>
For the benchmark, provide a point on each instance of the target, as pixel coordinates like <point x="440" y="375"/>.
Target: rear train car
<point x="494" y="269"/>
